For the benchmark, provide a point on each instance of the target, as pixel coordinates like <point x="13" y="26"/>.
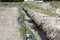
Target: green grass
<point x="36" y="37"/>
<point x="29" y="5"/>
<point x="23" y="27"/>
<point x="35" y="6"/>
<point x="55" y="4"/>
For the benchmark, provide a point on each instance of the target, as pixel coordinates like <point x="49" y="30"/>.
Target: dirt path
<point x="9" y="27"/>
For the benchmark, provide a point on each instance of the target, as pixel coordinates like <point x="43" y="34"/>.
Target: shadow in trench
<point x="40" y="31"/>
<point x="18" y="20"/>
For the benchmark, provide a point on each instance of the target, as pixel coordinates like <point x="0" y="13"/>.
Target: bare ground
<point x="9" y="27"/>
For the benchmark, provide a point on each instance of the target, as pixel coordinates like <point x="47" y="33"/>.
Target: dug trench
<point x="34" y="27"/>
